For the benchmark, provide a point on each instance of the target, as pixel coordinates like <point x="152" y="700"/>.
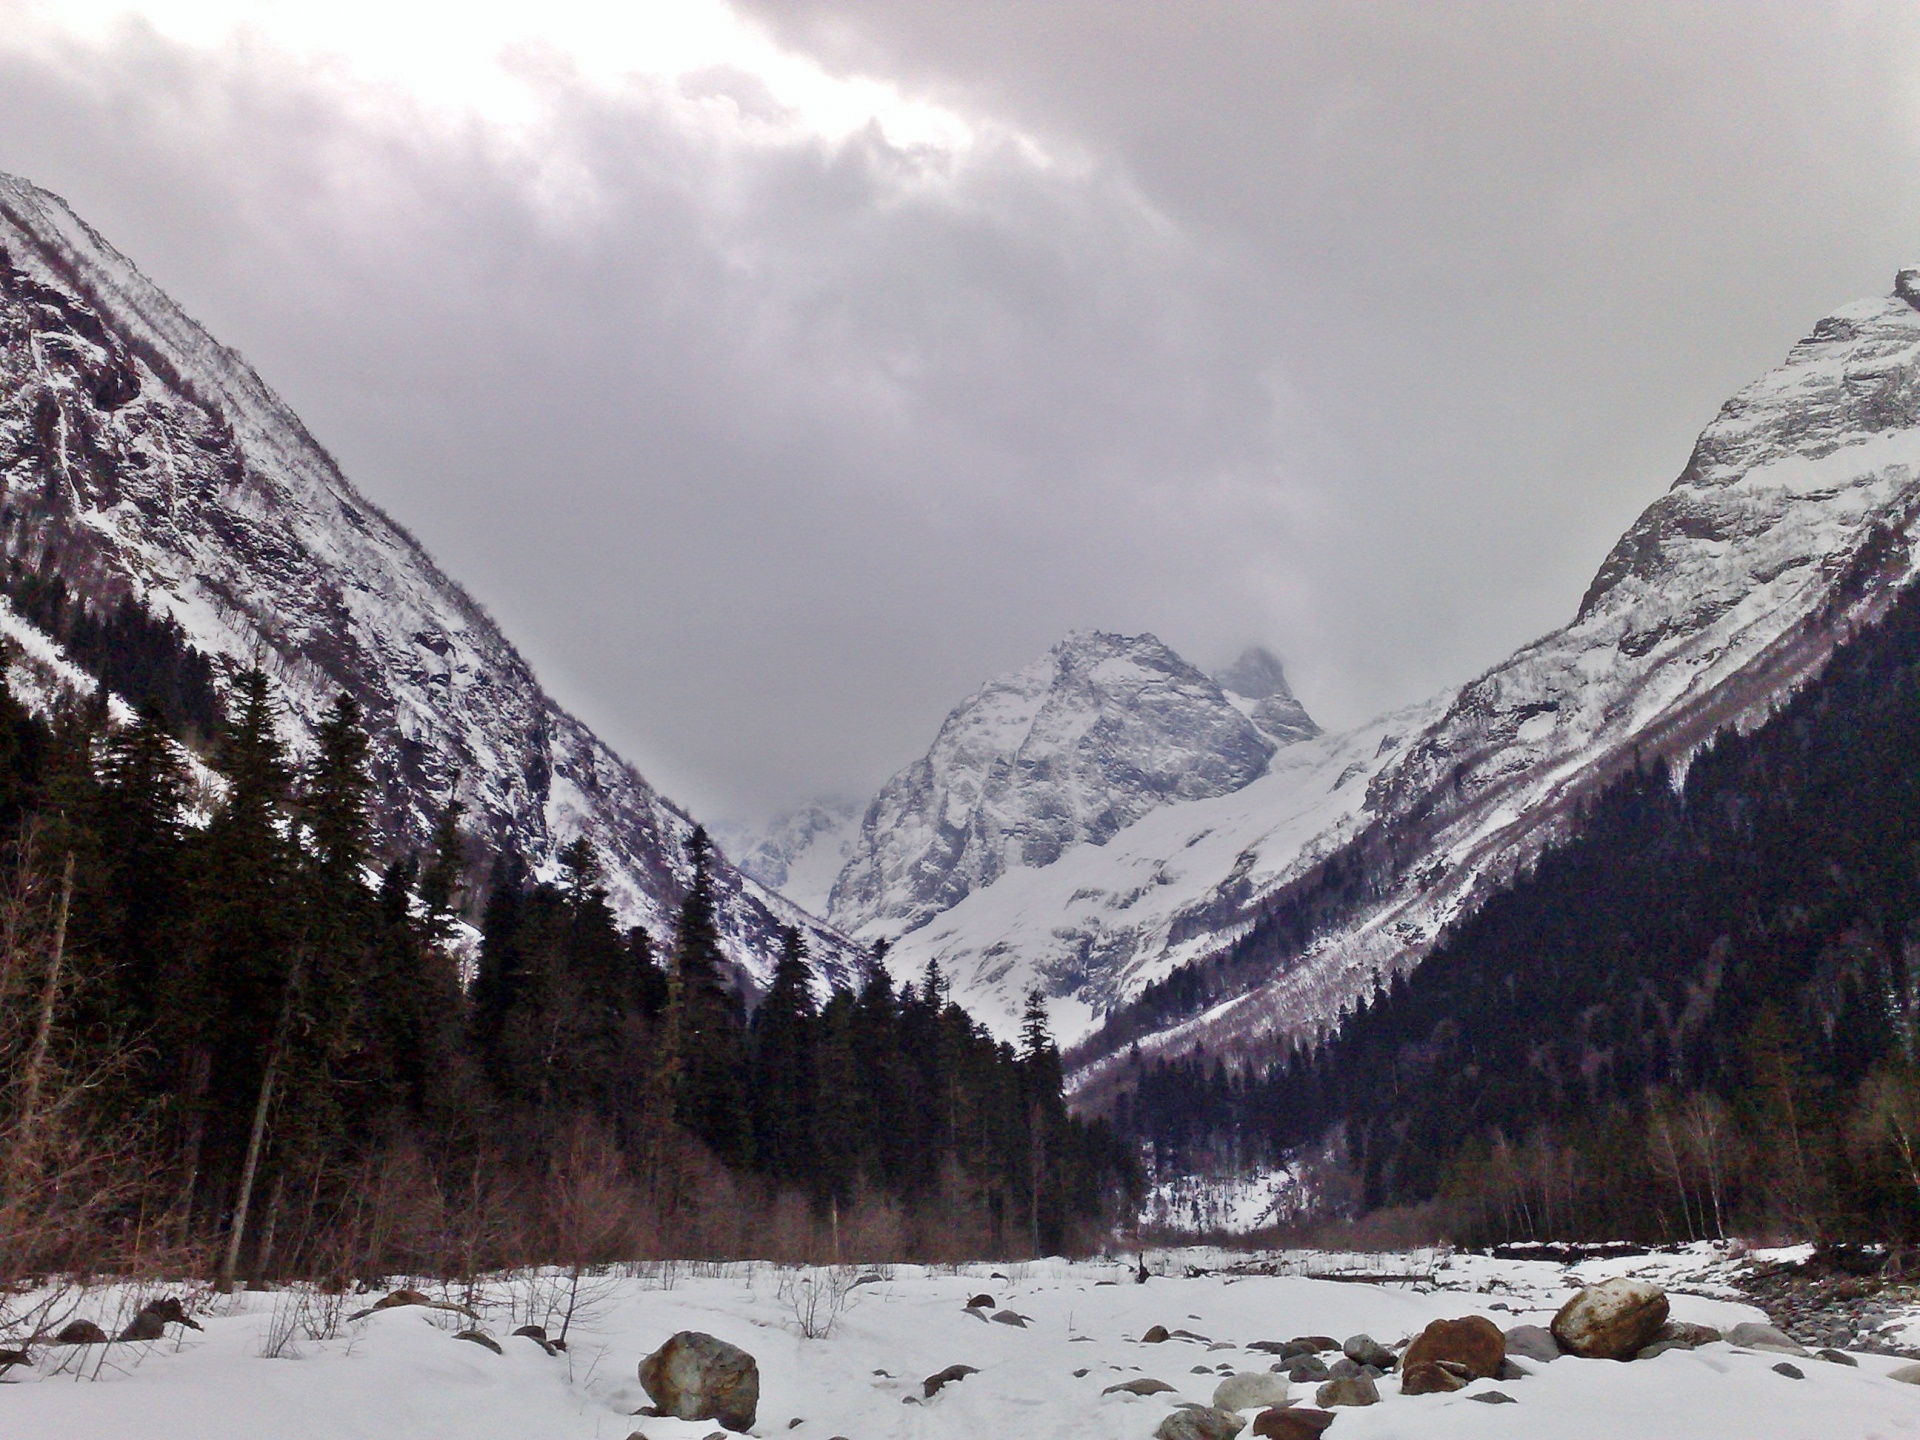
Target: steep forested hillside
<point x="1706" y="1003"/>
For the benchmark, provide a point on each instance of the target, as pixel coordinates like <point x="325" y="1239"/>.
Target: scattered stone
<point x="532" y="1332"/>
<point x="1295" y="1424"/>
<point x="1687" y="1333"/>
<point x="1838" y="1357"/>
<point x="1010" y="1317"/>
<point x="696" y="1377"/>
<point x="1221" y="1345"/>
<point x="1200" y="1422"/>
<point x="1493" y="1397"/>
<point x="1790" y="1370"/>
<point x="1190" y="1335"/>
<point x="1309" y="1368"/>
<point x="1434" y="1377"/>
<point x="80" y="1332"/>
<point x="479" y="1337"/>
<point x="1365" y="1350"/>
<point x="795" y="1423"/>
<point x="1752" y="1335"/>
<point x="1511" y="1369"/>
<point x="1250" y="1390"/>
<point x="1201" y="1370"/>
<point x="932" y="1384"/>
<point x="1355" y="1390"/>
<point x="1613" y="1320"/>
<point x="1271" y="1347"/>
<point x="1081" y="1374"/>
<point x="1343" y="1369"/>
<point x="1473" y="1342"/>
<point x="1145" y="1385"/>
<point x="1533" y="1342"/>
<point x="1155" y="1336"/>
<point x="1315" y="1344"/>
<point x="1660" y="1347"/>
<point x="393" y="1299"/>
<point x="981" y="1302"/>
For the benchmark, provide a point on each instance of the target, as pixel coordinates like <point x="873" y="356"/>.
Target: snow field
<point x="401" y="1372"/>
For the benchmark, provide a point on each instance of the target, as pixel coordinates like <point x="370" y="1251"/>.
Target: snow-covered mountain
<point x="799" y="852"/>
<point x="1256" y="683"/>
<point x="148" y="459"/>
<point x="1066" y="752"/>
<point x="1790" y="527"/>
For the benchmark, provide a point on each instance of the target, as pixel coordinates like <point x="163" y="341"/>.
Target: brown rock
<point x="1200" y="1422"/>
<point x="80" y="1332"/>
<point x="1613" y="1320"/>
<point x="697" y="1377"/>
<point x="931" y="1385"/>
<point x="1355" y="1390"/>
<point x="1291" y="1424"/>
<point x="1434" y="1377"/>
<point x="1155" y="1335"/>
<point x="1472" y="1342"/>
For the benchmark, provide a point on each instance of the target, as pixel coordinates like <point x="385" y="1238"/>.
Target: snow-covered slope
<point x="799" y="852"/>
<point x="151" y="459"/>
<point x="1789" y="528"/>
<point x="1066" y="752"/>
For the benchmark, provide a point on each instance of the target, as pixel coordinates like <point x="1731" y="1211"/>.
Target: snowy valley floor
<point x="400" y="1373"/>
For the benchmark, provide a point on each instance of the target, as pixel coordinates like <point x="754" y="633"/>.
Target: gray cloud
<point x="1360" y="338"/>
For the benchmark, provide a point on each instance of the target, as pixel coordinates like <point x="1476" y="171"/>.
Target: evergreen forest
<point x="236" y="1036"/>
<point x="1700" y="1016"/>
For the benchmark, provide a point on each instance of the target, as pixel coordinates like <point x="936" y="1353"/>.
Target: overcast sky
<point x="776" y="373"/>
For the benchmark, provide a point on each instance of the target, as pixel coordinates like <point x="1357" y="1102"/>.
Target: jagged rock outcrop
<point x="141" y="457"/>
<point x="1065" y="752"/>
<point x="1258" y="678"/>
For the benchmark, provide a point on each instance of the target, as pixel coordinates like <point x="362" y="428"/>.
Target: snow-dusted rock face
<point x="1257" y="684"/>
<point x="1066" y="752"/>
<point x="799" y="852"/>
<point x="1791" y="526"/>
<point x="150" y="459"/>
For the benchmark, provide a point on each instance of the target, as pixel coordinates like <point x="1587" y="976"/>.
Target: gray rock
<point x="1145" y="1385"/>
<point x="1687" y="1333"/>
<point x="1250" y="1390"/>
<point x="1838" y="1357"/>
<point x="1493" y="1397"/>
<point x="1752" y="1335"/>
<point x="931" y="1385"/>
<point x="1906" y="1375"/>
<point x="1790" y="1370"/>
<point x="1365" y="1350"/>
<point x="1010" y="1317"/>
<point x="1345" y="1368"/>
<point x="1354" y="1390"/>
<point x="1308" y="1368"/>
<point x="1533" y="1342"/>
<point x="1614" y="1320"/>
<point x="697" y="1377"/>
<point x="1200" y="1422"/>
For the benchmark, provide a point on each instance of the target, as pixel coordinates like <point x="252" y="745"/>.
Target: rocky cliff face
<point x="1066" y="752"/>
<point x="1257" y="684"/>
<point x="799" y="852"/>
<point x="144" y="457"/>
<point x="1791" y="526"/>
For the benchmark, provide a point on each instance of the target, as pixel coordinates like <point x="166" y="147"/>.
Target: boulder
<point x="1156" y="1334"/>
<point x="1010" y="1317"/>
<point x="1473" y="1342"/>
<point x="1355" y="1390"/>
<point x="1344" y="1368"/>
<point x="980" y="1302"/>
<point x="1838" y="1357"/>
<point x="1315" y="1344"/>
<point x="1145" y="1385"/>
<point x="1533" y="1342"/>
<point x="1684" y="1332"/>
<point x="1790" y="1370"/>
<point x="696" y="1377"/>
<point x="932" y="1384"/>
<point x="80" y="1332"/>
<point x="1906" y="1374"/>
<point x="1200" y="1422"/>
<point x="1296" y="1424"/>
<point x="1752" y="1335"/>
<point x="1434" y="1377"/>
<point x="1613" y="1320"/>
<point x="1365" y="1350"/>
<point x="1309" y="1367"/>
<point x="1250" y="1390"/>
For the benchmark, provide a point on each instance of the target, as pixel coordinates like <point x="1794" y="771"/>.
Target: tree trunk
<point x="35" y="1075"/>
<point x="250" y="1170"/>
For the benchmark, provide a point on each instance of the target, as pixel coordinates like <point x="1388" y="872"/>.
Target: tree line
<point x="236" y="1035"/>
<point x="1700" y="1014"/>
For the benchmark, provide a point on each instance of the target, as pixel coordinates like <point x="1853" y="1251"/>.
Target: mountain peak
<point x="1258" y="678"/>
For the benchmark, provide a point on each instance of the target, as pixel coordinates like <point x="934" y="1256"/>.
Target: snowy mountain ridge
<point x="1790" y="527"/>
<point x="1065" y="752"/>
<point x="143" y="457"/>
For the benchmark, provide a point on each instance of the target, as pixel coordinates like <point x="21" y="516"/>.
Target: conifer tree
<point x="783" y="1067"/>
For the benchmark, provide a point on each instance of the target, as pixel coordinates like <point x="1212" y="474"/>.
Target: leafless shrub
<point x="814" y="1297"/>
<point x="302" y="1313"/>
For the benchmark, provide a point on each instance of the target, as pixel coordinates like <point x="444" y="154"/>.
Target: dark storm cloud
<point x="1363" y="337"/>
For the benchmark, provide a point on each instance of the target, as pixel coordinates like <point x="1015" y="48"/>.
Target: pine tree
<point x="705" y="1023"/>
<point x="783" y="1067"/>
